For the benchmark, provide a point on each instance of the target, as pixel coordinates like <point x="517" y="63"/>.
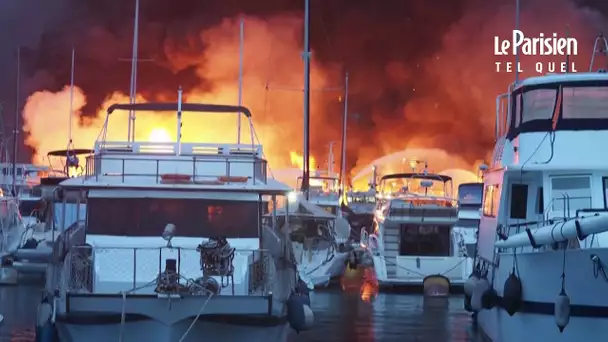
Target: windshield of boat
<point x="470" y="194"/>
<point x="360" y="198"/>
<point x="418" y="185"/>
<point x="193" y="217"/>
<point x="323" y="184"/>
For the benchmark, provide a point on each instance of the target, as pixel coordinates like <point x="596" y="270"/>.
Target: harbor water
<point x="339" y="317"/>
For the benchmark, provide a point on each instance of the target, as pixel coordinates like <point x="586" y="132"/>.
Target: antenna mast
<point x="517" y="48"/>
<point x="306" y="56"/>
<point x="133" y="90"/>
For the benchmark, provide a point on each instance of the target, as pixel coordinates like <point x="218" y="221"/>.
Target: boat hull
<point x="413" y="270"/>
<point x="159" y="318"/>
<point x="540" y="274"/>
<point x="318" y="271"/>
<point x="155" y="331"/>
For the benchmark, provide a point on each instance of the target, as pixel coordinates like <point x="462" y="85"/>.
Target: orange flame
<point x="297" y="160"/>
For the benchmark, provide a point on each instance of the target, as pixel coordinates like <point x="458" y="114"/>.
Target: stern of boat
<point x="126" y="289"/>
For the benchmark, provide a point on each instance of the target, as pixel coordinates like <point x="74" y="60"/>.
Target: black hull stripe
<point x="546" y="308"/>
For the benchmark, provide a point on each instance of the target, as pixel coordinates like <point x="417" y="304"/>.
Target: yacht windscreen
<point x="28" y="206"/>
<point x="192" y="217"/>
<point x="470" y="194"/>
<point x="585" y="102"/>
<point x="415" y="185"/>
<point x="581" y="104"/>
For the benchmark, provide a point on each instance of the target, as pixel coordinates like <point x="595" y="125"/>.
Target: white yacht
<point x="173" y="247"/>
<point x="413" y="238"/>
<point x="318" y="252"/>
<point x="543" y="244"/>
<point x="11" y="226"/>
<point x="465" y="229"/>
<point x="40" y="211"/>
<point x="359" y="209"/>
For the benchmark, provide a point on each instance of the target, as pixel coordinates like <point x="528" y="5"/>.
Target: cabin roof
<point x="564" y="78"/>
<point x="64" y="153"/>
<point x="429" y="176"/>
<point x="271" y="187"/>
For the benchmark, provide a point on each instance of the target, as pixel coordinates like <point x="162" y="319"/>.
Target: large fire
<point x="276" y="115"/>
<point x="297" y="160"/>
<point x="403" y="100"/>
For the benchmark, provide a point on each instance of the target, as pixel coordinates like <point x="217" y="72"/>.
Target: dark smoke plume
<point x="422" y="73"/>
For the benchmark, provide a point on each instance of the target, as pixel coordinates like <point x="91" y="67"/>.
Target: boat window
<point x="491" y="198"/>
<point x="605" y="183"/>
<point x="425" y="240"/>
<point x="585" y="103"/>
<point x="332" y="209"/>
<point x="540" y="201"/>
<point x="519" y="201"/>
<point x="72" y="212"/>
<point x="571" y="191"/>
<point x="517" y="104"/>
<point x="467" y="223"/>
<point x="29" y="207"/>
<point x="538" y="104"/>
<point x="192" y="217"/>
<point x="470" y="194"/>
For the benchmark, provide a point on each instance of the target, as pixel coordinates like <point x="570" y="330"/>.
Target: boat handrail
<point x="197" y="167"/>
<point x="174" y="148"/>
<point x="132" y="266"/>
<point x="417" y="200"/>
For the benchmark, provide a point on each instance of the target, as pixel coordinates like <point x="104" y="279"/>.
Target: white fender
<point x="481" y="286"/>
<point x="45" y="310"/>
<point x="562" y="311"/>
<point x="469" y="285"/>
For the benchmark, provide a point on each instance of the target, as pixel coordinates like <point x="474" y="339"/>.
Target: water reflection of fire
<point x="362" y="279"/>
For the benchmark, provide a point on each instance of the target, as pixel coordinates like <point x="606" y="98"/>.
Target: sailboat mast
<point x="241" y="50"/>
<point x="71" y="98"/>
<point x="306" y="55"/>
<point x="133" y="88"/>
<point x="16" y="130"/>
<point x="344" y="123"/>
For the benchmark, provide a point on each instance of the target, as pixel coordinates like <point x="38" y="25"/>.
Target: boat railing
<point x="138" y="270"/>
<point x="200" y="168"/>
<point x="174" y="148"/>
<point x="424" y="207"/>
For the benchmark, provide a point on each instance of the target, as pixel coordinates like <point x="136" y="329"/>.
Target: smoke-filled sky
<point x="422" y="73"/>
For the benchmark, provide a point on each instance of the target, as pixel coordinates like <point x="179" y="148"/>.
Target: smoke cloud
<point x="422" y="75"/>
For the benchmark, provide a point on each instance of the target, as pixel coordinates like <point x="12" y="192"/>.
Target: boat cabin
<point x="415" y="212"/>
<point x="27" y="176"/>
<point x="141" y="196"/>
<point x="324" y="192"/>
<point x="545" y="165"/>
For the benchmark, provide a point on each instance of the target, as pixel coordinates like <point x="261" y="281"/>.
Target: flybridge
<point x="202" y="163"/>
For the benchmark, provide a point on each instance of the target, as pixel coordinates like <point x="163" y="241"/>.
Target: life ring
<point x="232" y="179"/>
<point x="175" y="178"/>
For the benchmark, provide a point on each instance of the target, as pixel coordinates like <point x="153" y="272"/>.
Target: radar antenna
<point x="599" y="49"/>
